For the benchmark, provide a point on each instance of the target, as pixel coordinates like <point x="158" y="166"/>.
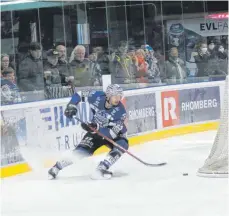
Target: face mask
<point x="204" y="50"/>
<point x="221" y="49"/>
<point x="211" y="47"/>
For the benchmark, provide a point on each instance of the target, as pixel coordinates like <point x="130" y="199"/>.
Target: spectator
<point x="218" y="65"/>
<point x="30" y="70"/>
<point x="5" y="61"/>
<point x="142" y="66"/>
<point x="201" y="60"/>
<point x="54" y="88"/>
<point x="80" y="67"/>
<point x="221" y="53"/>
<point x="175" y="68"/>
<point x="132" y="54"/>
<point x="9" y="90"/>
<point x="121" y="65"/>
<point x="63" y="65"/>
<point x="153" y="69"/>
<point x="102" y="60"/>
<point x="96" y="70"/>
<point x="51" y="72"/>
<point x="211" y="50"/>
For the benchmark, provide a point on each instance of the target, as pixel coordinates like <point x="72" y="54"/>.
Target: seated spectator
<point x="51" y="72"/>
<point x="153" y="69"/>
<point x="80" y="67"/>
<point x="30" y="70"/>
<point x="142" y="66"/>
<point x="63" y="65"/>
<point x="9" y="90"/>
<point x="54" y="88"/>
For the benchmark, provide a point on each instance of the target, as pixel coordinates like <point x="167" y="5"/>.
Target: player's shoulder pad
<point x="122" y="107"/>
<point x="120" y="111"/>
<point x="95" y="94"/>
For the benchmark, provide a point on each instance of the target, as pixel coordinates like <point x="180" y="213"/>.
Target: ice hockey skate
<point x="53" y="172"/>
<point x="101" y="173"/>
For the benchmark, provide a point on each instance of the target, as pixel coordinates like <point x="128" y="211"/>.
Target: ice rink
<point x="135" y="190"/>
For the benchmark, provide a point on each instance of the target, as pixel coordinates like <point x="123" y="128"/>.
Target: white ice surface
<point x="135" y="191"/>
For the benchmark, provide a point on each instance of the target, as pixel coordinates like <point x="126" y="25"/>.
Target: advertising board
<point x="141" y="113"/>
<point x="193" y="105"/>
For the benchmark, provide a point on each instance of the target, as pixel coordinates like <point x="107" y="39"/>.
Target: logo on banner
<point x="199" y="104"/>
<point x="141" y="113"/>
<point x="214" y="26"/>
<point x="55" y="119"/>
<point x="170" y="108"/>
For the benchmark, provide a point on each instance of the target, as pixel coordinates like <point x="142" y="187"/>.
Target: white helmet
<point x="113" y="90"/>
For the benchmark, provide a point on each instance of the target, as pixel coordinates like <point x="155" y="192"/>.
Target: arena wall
<point x="153" y="114"/>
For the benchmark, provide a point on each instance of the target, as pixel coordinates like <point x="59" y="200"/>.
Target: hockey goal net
<point x="216" y="165"/>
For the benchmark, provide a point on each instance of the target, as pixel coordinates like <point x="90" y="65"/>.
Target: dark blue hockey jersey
<point x="111" y="121"/>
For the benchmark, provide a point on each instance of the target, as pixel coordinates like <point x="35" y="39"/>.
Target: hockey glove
<point x="70" y="111"/>
<point x="86" y="127"/>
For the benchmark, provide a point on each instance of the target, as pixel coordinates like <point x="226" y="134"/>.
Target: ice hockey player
<point x="109" y="115"/>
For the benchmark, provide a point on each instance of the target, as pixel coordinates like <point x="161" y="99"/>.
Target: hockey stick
<point x="121" y="148"/>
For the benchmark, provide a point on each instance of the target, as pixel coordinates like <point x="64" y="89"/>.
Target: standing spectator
<point x="80" y="67"/>
<point x="121" y="65"/>
<point x="30" y="70"/>
<point x="96" y="70"/>
<point x="9" y="90"/>
<point x="201" y="59"/>
<point x="63" y="65"/>
<point x="222" y="60"/>
<point x="211" y="49"/>
<point x="160" y="57"/>
<point x="221" y="52"/>
<point x="132" y="54"/>
<point x="102" y="60"/>
<point x="175" y="68"/>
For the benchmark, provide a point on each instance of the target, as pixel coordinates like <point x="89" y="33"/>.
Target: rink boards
<point x="153" y="113"/>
